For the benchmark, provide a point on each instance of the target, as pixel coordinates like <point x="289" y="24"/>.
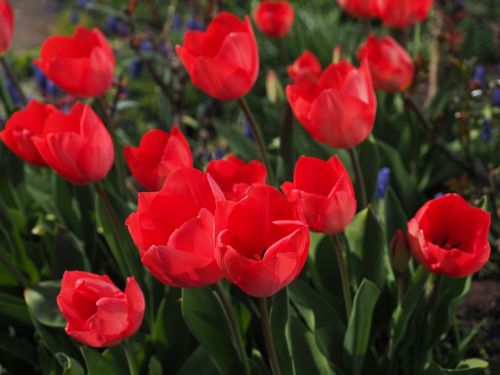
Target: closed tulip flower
<point x="323" y="192"/>
<point x="99" y="314"/>
<point x="306" y="66"/>
<point x="340" y="108"/>
<point x="82" y="65"/>
<point x="6" y="25"/>
<point x="391" y="66"/>
<point x="274" y="18"/>
<point x="359" y="8"/>
<point x="22" y="126"/>
<point x="76" y="145"/>
<point x="235" y="177"/>
<point x="403" y="13"/>
<point x="158" y="155"/>
<point x="450" y="237"/>
<point x="223" y="61"/>
<point x="262" y="241"/>
<point x="174" y="229"/>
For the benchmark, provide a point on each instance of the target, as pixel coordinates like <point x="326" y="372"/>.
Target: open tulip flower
<point x="174" y="229"/>
<point x="274" y="18"/>
<point x="262" y="241"/>
<point x="450" y="237"/>
<point x="6" y="25"/>
<point x="359" y="8"/>
<point x="403" y="13"/>
<point x="159" y="154"/>
<point x="97" y="312"/>
<point x="76" y="145"/>
<point x="22" y="126"/>
<point x="235" y="177"/>
<point x="390" y="64"/>
<point x="306" y="66"/>
<point x="323" y="192"/>
<point x="223" y="61"/>
<point x="340" y="108"/>
<point x="82" y="65"/>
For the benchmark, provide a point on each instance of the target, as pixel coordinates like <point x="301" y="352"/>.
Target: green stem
<point x="258" y="137"/>
<point x="132" y="365"/>
<point x="360" y="180"/>
<point x="233" y="326"/>
<point x="401" y="287"/>
<point x="434" y="305"/>
<point x="344" y="275"/>
<point x="268" y="337"/>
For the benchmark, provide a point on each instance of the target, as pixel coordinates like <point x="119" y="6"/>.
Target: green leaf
<point x="154" y="366"/>
<point x="97" y="364"/>
<point x="357" y="336"/>
<point x="69" y="253"/>
<point x="198" y="363"/>
<point x="280" y="330"/>
<point x="369" y="159"/>
<point x="469" y="366"/>
<point x="14" y="308"/>
<point x="240" y="145"/>
<point x="205" y="319"/>
<point x="367" y="258"/>
<point x="70" y="366"/>
<point x="41" y="300"/>
<point x="395" y="217"/>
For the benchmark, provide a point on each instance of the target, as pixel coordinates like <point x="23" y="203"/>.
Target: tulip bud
<point x="399" y="251"/>
<point x="337" y="54"/>
<point x="274" y="89"/>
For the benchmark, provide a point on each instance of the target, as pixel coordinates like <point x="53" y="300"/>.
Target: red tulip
<point x="306" y="66"/>
<point x="6" y="25"/>
<point x="450" y="237"/>
<point x="262" y="241"/>
<point x="158" y="155"/>
<point x="22" y="126"/>
<point x="403" y="13"/>
<point x="82" y="65"/>
<point x="224" y="60"/>
<point x="323" y="192"/>
<point x="359" y="8"/>
<point x="340" y="109"/>
<point x="174" y="229"/>
<point x="97" y="312"/>
<point x="391" y="66"/>
<point x="235" y="177"/>
<point x="76" y="145"/>
<point x="274" y="18"/>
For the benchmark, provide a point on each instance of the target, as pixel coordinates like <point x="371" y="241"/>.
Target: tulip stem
<point x="344" y="275"/>
<point x="10" y="74"/>
<point x="258" y="137"/>
<point x="268" y="337"/>
<point x="434" y="305"/>
<point x="360" y="180"/>
<point x="233" y="325"/>
<point x="132" y="365"/>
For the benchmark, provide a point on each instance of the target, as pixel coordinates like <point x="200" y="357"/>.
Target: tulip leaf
<point x="368" y="257"/>
<point x="240" y="145"/>
<point x="12" y="307"/>
<point x="98" y="364"/>
<point x="69" y="253"/>
<point x="70" y="366"/>
<point x="280" y="328"/>
<point x="198" y="363"/>
<point x="369" y="159"/>
<point x="395" y="217"/>
<point x="471" y="366"/>
<point x="205" y="319"/>
<point x="41" y="301"/>
<point x="357" y="337"/>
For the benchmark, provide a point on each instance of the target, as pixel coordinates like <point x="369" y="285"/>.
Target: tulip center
<point x="85" y="305"/>
<point x="448" y="244"/>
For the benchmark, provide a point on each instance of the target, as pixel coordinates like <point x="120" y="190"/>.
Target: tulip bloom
<point x="158" y="155"/>
<point x="82" y="65"/>
<point x="274" y="18"/>
<point x="359" y="8"/>
<point x="323" y="192"/>
<point x="76" y="145"/>
<point x="22" y="126"/>
<point x="450" y="237"/>
<point x="403" y="13"/>
<point x="262" y="241"/>
<point x="174" y="229"/>
<point x="340" y="109"/>
<point x="223" y="61"/>
<point x="235" y="177"/>
<point x="6" y="25"/>
<point x="306" y="66"/>
<point x="391" y="66"/>
<point x="99" y="314"/>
